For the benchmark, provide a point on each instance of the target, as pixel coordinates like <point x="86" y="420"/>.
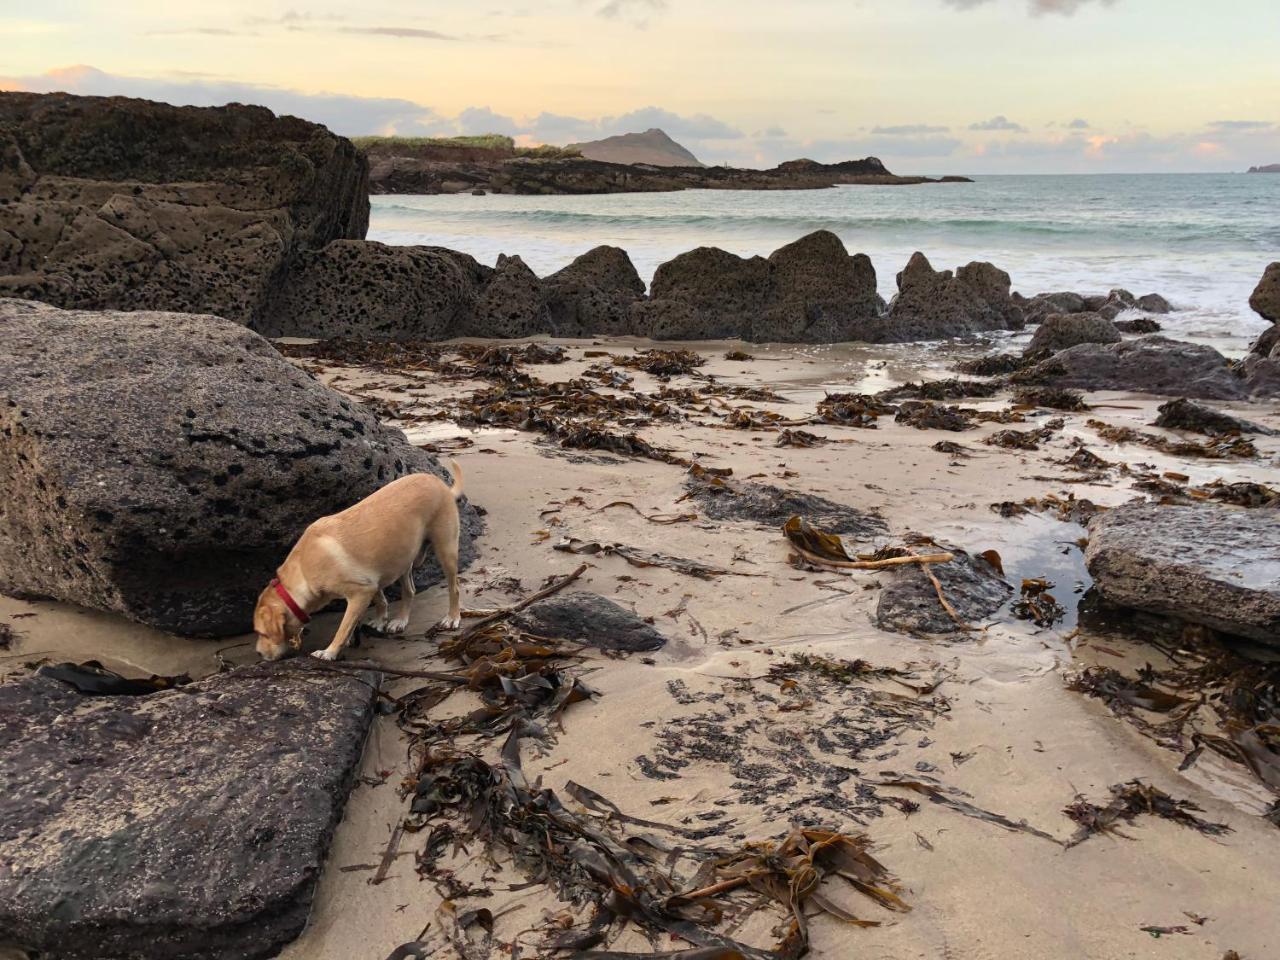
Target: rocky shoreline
<point x="786" y="567"/>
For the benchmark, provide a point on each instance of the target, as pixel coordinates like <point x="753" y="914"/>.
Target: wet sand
<point x="1002" y="726"/>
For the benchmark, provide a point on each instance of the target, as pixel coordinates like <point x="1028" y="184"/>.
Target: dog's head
<point x="278" y="630"/>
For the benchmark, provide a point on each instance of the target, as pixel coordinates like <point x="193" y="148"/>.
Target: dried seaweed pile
<point x="1218" y="447"/>
<point x="927" y="415"/>
<point x="852" y="410"/>
<point x="792" y="740"/>
<point x="661" y="363"/>
<point x="1068" y="509"/>
<point x="1024" y="439"/>
<point x="1001" y="364"/>
<point x="1052" y="397"/>
<point x="952" y="389"/>
<point x="1211" y="698"/>
<point x="1037" y="604"/>
<point x="1130" y="801"/>
<point x="1172" y="489"/>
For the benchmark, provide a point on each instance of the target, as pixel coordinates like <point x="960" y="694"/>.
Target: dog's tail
<point x="456" y="489"/>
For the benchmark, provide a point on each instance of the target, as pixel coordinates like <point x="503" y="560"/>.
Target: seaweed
<point x="1129" y="801"/>
<point x="949" y="446"/>
<point x="953" y="797"/>
<point x="1037" y="604"/>
<point x="1022" y="439"/>
<point x="662" y="363"/>
<point x="639" y="558"/>
<point x="1214" y="448"/>
<point x="799" y="438"/>
<point x="852" y="410"/>
<point x="1001" y="364"/>
<point x="1052" y="397"/>
<point x="1068" y="509"/>
<point x="926" y="415"/>
<point x="952" y="389"/>
<point x="93" y="679"/>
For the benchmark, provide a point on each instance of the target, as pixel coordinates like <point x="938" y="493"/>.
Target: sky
<point x="929" y="86"/>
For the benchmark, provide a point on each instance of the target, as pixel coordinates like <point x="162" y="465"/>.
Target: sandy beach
<point x="1001" y="725"/>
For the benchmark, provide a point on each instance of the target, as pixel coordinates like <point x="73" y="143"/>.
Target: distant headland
<point x="1267" y="168"/>
<point x="629" y="163"/>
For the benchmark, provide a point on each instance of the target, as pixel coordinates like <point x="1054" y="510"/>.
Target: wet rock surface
<point x="190" y="823"/>
<point x="110" y="202"/>
<point x="1153" y="364"/>
<point x="932" y="304"/>
<point x="1265" y="298"/>
<point x="973" y="587"/>
<point x="161" y="465"/>
<point x="1186" y="414"/>
<point x="593" y="294"/>
<point x="773" y="506"/>
<point x="1203" y="564"/>
<point x="1060" y="331"/>
<point x="591" y="619"/>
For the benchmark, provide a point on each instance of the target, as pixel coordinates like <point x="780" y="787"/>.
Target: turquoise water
<point x="1202" y="240"/>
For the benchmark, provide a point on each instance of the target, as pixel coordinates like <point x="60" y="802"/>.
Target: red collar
<point x="289" y="602"/>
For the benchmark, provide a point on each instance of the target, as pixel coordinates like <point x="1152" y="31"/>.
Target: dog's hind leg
<point x="407" y="589"/>
<point x="379" y="618"/>
<point x="447" y="556"/>
<point x="357" y="604"/>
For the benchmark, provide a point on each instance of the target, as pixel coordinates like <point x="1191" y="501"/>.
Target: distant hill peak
<point x="1267" y="168"/>
<point x="653" y="147"/>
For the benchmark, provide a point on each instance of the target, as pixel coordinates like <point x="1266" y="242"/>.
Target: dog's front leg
<point x="407" y="590"/>
<point x="357" y="604"/>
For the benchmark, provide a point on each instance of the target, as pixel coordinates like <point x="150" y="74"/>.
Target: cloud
<point x="480" y="120"/>
<point x="908" y="130"/>
<point x="1078" y="124"/>
<point x="999" y="122"/>
<point x="637" y="11"/>
<point x="1036" y="7"/>
<point x="699" y="126"/>
<point x="417" y="33"/>
<point x="773" y="133"/>
<point x="1241" y="124"/>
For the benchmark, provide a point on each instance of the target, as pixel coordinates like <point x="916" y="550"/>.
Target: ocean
<point x="1201" y="240"/>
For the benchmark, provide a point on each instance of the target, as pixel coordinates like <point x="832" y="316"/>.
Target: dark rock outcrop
<point x="358" y="288"/>
<point x="161" y="465"/>
<point x="1184" y="414"/>
<point x="1043" y="305"/>
<point x="1060" y="331"/>
<point x="909" y="604"/>
<point x="818" y="293"/>
<point x="591" y="619"/>
<point x="1138" y="325"/>
<point x="511" y="304"/>
<point x="1265" y="299"/>
<point x="933" y="304"/>
<point x="190" y="823"/>
<point x="1202" y="564"/>
<point x="704" y="294"/>
<point x="593" y="295"/>
<point x="1152" y="364"/>
<point x="1153" y="303"/>
<point x="110" y="202"/>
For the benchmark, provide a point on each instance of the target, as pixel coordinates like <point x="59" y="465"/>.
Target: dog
<point x="354" y="555"/>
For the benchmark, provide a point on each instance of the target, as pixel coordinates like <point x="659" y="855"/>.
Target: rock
<point x="1186" y="414"/>
<point x="773" y="506"/>
<point x="511" y="304"/>
<point x="1153" y="303"/>
<point x="591" y="619"/>
<point x="1060" y="331"/>
<point x="1204" y="564"/>
<point x="704" y="294"/>
<point x="161" y="465"/>
<point x="1267" y="346"/>
<point x="1137" y="325"/>
<point x="129" y="204"/>
<point x="1152" y="364"/>
<point x="190" y="823"/>
<point x="909" y="604"/>
<point x="818" y="294"/>
<point x="932" y="304"/>
<point x="1265" y="299"/>
<point x="593" y="295"/>
<point x="1046" y="304"/>
<point x="358" y="288"/>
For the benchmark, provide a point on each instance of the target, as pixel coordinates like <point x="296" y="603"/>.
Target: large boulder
<point x="191" y="823"/>
<point x="593" y="295"/>
<point x="129" y="204"/>
<point x="511" y="305"/>
<point x="358" y="288"/>
<point x="1265" y="299"/>
<point x="161" y="465"/>
<point x="935" y="304"/>
<point x="973" y="587"/>
<point x="1153" y="364"/>
<point x="704" y="294"/>
<point x="818" y="293"/>
<point x="590" y="619"/>
<point x="1035" y="309"/>
<point x="1059" y="331"/>
<point x="1205" y="564"/>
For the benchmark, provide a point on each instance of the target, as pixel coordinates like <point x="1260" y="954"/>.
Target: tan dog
<point x="355" y="554"/>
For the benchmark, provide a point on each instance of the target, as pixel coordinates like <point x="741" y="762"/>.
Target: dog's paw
<point x="451" y="623"/>
<point x="397" y="625"/>
<point x="378" y="624"/>
<point x="324" y="655"/>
